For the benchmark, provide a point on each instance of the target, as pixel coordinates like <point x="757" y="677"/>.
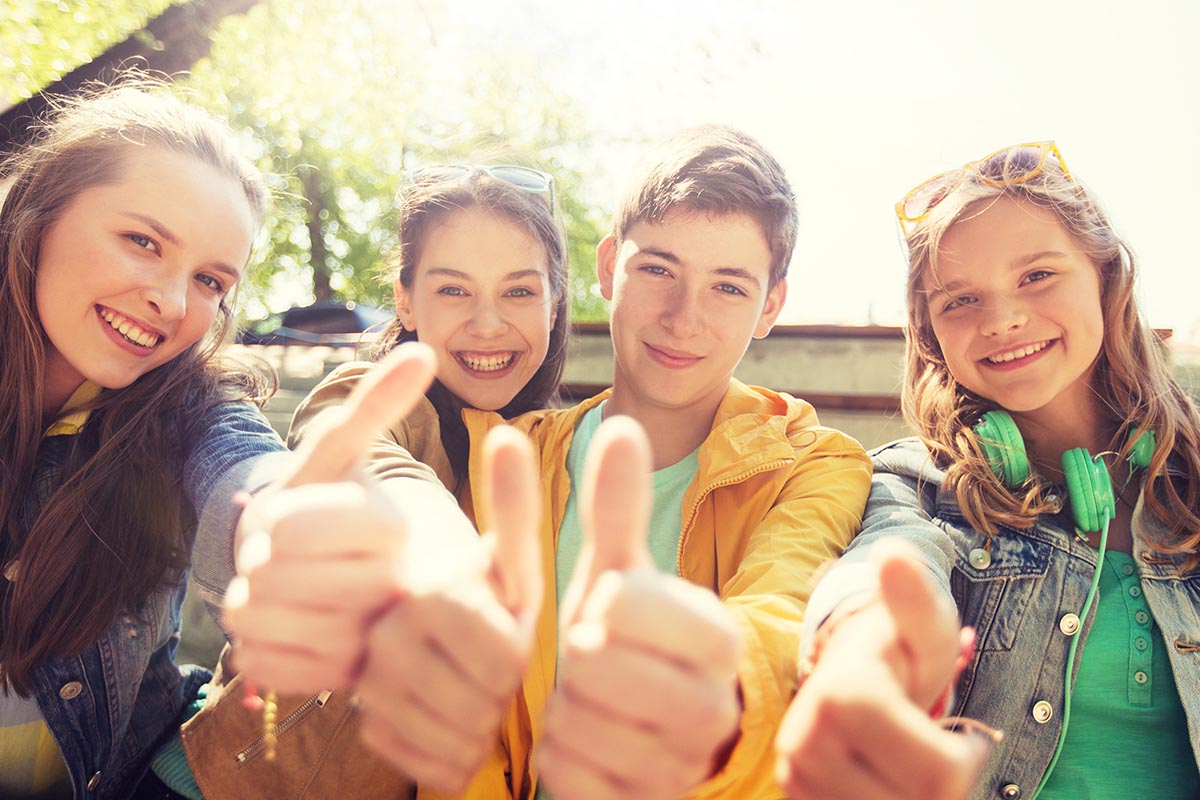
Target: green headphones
<point x="1093" y="504"/>
<point x="1089" y="487"/>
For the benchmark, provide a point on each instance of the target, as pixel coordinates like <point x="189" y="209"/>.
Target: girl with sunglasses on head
<point x="127" y="225"/>
<point x="480" y="281"/>
<point x="1052" y="495"/>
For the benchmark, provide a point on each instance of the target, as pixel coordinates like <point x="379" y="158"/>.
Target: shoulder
<point x="784" y="417"/>
<point x="907" y="458"/>
<point x="332" y="391"/>
<point x="544" y="426"/>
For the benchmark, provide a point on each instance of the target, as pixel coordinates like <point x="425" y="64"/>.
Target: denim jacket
<point x="109" y="707"/>
<point x="1021" y="596"/>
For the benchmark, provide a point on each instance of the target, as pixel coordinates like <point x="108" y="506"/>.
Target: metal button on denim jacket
<point x="109" y="707"/>
<point x="1020" y="593"/>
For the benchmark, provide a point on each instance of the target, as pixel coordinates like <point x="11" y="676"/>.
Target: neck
<point x="1049" y="432"/>
<point x="54" y="397"/>
<point x="673" y="432"/>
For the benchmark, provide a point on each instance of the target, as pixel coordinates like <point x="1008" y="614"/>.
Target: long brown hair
<point x="423" y="205"/>
<point x="114" y="530"/>
<point x="1131" y="379"/>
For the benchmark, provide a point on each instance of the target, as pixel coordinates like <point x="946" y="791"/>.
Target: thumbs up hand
<point x="647" y="701"/>
<point x="444" y="661"/>
<point x="322" y="552"/>
<point x="860" y="725"/>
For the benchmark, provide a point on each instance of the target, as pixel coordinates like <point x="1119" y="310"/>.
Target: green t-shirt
<point x="666" y="518"/>
<point x="1128" y="734"/>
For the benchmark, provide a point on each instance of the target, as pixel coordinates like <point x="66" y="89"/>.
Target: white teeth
<point x="1021" y="352"/>
<point x="129" y="330"/>
<point x="490" y="363"/>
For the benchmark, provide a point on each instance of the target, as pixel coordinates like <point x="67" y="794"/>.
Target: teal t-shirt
<point x="1128" y="734"/>
<point x="666" y="516"/>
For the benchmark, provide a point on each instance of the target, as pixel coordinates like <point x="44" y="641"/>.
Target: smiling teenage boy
<point x="672" y="681"/>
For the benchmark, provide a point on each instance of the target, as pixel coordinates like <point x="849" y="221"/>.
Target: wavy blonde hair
<point x="1131" y="376"/>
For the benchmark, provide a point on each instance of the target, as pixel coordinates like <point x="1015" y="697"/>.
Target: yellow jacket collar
<point x="71" y="422"/>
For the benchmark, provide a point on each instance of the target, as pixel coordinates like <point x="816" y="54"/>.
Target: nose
<point x="167" y="298"/>
<point x="683" y="316"/>
<point x="486" y="321"/>
<point x="1001" y="317"/>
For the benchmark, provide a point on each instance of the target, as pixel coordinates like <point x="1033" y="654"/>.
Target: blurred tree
<point x="338" y="98"/>
<point x="344" y="96"/>
<point x="41" y="40"/>
<point x="169" y="43"/>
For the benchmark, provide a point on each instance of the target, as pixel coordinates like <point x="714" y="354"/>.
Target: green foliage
<point x="341" y="119"/>
<point x="42" y="40"/>
<point x="337" y="99"/>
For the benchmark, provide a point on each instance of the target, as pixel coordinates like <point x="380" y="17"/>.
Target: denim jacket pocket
<point x="994" y="583"/>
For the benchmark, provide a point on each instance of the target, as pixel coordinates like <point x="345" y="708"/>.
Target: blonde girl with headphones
<point x="1051" y="494"/>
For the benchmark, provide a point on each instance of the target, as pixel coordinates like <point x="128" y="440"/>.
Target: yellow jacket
<point x="774" y="497"/>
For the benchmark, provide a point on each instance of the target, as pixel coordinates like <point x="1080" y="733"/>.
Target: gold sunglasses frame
<point x="1048" y="148"/>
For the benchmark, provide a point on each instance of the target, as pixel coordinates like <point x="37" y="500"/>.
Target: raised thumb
<point x="926" y="623"/>
<point x="615" y="499"/>
<point x="384" y="395"/>
<point x="513" y="500"/>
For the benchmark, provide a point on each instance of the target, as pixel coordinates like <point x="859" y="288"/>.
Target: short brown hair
<point x="715" y="169"/>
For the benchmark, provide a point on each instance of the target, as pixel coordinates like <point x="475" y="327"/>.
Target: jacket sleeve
<point x="809" y="522"/>
<point x="400" y="452"/>
<point x="235" y="450"/>
<point x="903" y="496"/>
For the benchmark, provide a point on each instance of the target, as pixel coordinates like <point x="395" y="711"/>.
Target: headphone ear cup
<point x="1089" y="488"/>
<point x="1144" y="443"/>
<point x="1002" y="446"/>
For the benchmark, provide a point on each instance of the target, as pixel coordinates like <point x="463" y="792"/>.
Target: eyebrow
<point x="1020" y="262"/>
<point x="738" y="272"/>
<point x="512" y="276"/>
<point x="165" y="233"/>
<point x="158" y="227"/>
<point x="1026" y="260"/>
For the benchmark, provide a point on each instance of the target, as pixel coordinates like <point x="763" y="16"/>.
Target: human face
<point x="1015" y="307"/>
<point x="688" y="293"/>
<point x="481" y="298"/>
<point x="133" y="272"/>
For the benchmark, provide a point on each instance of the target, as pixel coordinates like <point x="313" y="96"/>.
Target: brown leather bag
<point x="318" y="753"/>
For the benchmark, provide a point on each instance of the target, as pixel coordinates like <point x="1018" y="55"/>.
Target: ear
<point x="403" y="306"/>
<point x="771" y="309"/>
<point x="606" y="265"/>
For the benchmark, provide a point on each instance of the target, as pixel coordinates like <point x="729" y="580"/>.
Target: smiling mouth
<point x="486" y="362"/>
<point x="677" y="356"/>
<point x="1019" y="352"/>
<point x="129" y="329"/>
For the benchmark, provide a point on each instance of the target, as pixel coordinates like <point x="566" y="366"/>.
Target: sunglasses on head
<point x="1009" y="166"/>
<point x="524" y="178"/>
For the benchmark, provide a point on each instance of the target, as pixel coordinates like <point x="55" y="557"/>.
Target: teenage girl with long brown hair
<point x="1052" y="494"/>
<point x="127" y="225"/>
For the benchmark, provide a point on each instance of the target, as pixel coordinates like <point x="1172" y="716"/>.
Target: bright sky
<point x="862" y="100"/>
